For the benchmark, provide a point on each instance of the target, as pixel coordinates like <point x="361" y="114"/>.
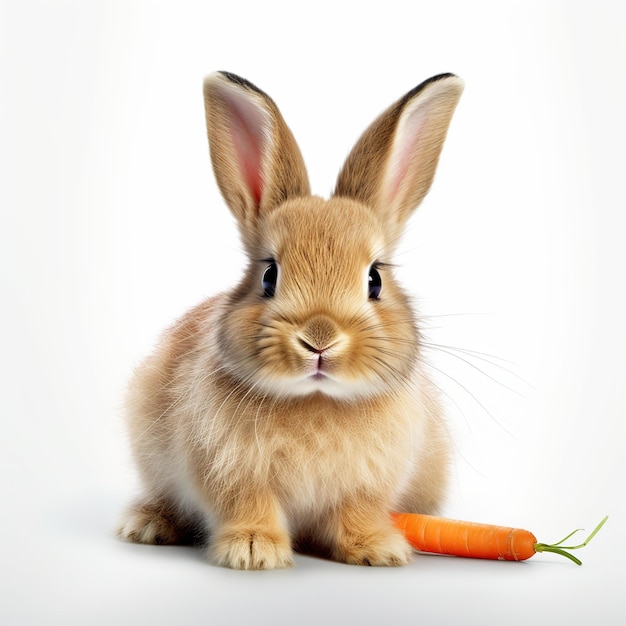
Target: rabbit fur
<point x="293" y="412"/>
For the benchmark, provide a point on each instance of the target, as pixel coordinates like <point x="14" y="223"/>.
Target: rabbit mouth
<point x="320" y="383"/>
<point x="324" y="383"/>
<point x="319" y="371"/>
<point x="320" y="365"/>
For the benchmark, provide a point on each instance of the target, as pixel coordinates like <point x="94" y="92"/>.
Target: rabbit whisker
<point x="478" y="369"/>
<point x="480" y="404"/>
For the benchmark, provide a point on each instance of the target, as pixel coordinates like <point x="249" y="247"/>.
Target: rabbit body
<point x="293" y="411"/>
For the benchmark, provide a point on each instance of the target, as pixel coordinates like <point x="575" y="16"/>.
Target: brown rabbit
<point x="294" y="410"/>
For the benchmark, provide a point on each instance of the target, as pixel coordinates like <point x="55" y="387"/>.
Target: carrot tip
<point x="557" y="548"/>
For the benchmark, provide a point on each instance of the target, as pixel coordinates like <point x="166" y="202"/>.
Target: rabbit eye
<point x="375" y="283"/>
<point x="269" y="279"/>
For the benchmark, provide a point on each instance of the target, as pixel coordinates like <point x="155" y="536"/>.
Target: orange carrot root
<point x="428" y="533"/>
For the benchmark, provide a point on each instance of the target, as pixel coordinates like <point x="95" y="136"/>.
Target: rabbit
<point x="294" y="412"/>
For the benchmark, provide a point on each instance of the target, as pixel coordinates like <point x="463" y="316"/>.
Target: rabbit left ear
<point x="256" y="160"/>
<point x="393" y="164"/>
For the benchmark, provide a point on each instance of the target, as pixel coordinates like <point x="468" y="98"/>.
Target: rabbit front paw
<point x="376" y="549"/>
<point x="251" y="548"/>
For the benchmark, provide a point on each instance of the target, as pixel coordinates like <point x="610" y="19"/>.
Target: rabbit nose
<point x="319" y="334"/>
<point x="305" y="344"/>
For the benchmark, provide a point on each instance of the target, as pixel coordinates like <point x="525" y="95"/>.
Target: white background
<point x="112" y="225"/>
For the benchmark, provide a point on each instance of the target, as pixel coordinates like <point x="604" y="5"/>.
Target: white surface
<point x="111" y="226"/>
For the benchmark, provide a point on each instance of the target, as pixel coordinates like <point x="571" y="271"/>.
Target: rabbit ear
<point x="393" y="164"/>
<point x="256" y="160"/>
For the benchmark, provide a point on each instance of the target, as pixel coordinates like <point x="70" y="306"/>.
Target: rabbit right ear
<point x="393" y="164"/>
<point x="256" y="160"/>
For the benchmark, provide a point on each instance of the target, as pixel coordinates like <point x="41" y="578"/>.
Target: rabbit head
<point x="318" y="309"/>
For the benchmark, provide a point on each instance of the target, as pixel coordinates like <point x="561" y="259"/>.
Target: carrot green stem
<point x="557" y="548"/>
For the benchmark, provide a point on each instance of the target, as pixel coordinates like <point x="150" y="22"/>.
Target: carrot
<point x="428" y="533"/>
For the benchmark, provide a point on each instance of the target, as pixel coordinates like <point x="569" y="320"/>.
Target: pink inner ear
<point x="248" y="134"/>
<point x="406" y="145"/>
